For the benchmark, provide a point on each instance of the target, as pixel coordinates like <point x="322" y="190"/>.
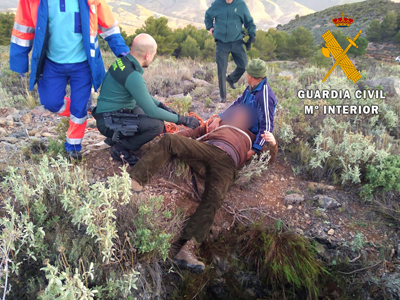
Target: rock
<point x="326" y="202"/>
<point x="5" y="111"/>
<point x="10" y="120"/>
<point x="299" y="231"/>
<point x="389" y="85"/>
<point x="33" y="132"/>
<point x="91" y="123"/>
<point x="9" y="139"/>
<point x="221" y="264"/>
<point x="187" y="83"/>
<point x="200" y="82"/>
<point x="331" y="232"/>
<point x="47" y="134"/>
<point x="26" y="118"/>
<point x="320" y="187"/>
<point x="319" y="248"/>
<point x="3" y="132"/>
<point x="289" y="207"/>
<point x="177" y="96"/>
<point x="3" y="121"/>
<point x="293" y="199"/>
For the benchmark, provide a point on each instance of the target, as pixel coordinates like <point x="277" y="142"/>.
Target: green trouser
<point x="219" y="169"/>
<point x="148" y="129"/>
<point x="240" y="58"/>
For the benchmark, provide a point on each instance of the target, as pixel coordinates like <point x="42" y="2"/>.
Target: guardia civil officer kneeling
<point x="126" y="113"/>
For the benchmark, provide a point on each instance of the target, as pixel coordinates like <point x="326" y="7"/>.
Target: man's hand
<point x="211" y="31"/>
<point x="252" y="39"/>
<point x="214" y="124"/>
<point x="269" y="137"/>
<point x="190" y="122"/>
<point x="250" y="154"/>
<point x="164" y="107"/>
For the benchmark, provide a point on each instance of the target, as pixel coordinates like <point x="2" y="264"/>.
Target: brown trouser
<point x="219" y="169"/>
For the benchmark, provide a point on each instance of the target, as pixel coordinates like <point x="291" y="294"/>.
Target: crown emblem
<point x="343" y="21"/>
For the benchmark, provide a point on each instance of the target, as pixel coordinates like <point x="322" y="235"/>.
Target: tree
<point x="281" y="41"/>
<point x="374" y="31"/>
<point x="300" y="43"/>
<point x="389" y="25"/>
<point x="158" y="28"/>
<point x="361" y="42"/>
<point x="265" y="45"/>
<point x="6" y="27"/>
<point x="190" y="48"/>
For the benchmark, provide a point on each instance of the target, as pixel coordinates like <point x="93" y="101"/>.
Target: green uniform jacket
<point x="124" y="87"/>
<point x="229" y="20"/>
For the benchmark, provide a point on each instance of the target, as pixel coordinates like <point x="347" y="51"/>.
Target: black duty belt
<point x="123" y="122"/>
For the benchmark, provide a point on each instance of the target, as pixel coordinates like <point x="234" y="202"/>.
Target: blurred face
<point x="229" y="1"/>
<point x="239" y="117"/>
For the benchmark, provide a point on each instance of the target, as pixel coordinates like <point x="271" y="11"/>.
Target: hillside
<point x="362" y="12"/>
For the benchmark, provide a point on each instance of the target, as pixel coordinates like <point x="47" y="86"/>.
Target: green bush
<point x="383" y="178"/>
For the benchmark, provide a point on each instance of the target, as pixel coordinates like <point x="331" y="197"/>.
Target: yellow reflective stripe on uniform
<point x="23" y="28"/>
<point x="21" y="42"/>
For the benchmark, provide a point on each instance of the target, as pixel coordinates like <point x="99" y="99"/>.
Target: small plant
<point x="182" y="105"/>
<point x="254" y="169"/>
<point x="358" y="242"/>
<point x="208" y="102"/>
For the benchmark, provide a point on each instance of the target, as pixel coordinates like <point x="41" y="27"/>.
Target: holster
<point x="121" y="123"/>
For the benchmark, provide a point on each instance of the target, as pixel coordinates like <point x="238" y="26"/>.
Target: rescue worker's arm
<point x="137" y="87"/>
<point x="249" y="22"/>
<point x="22" y="38"/>
<point x="193" y="133"/>
<point x="209" y="17"/>
<point x="109" y="29"/>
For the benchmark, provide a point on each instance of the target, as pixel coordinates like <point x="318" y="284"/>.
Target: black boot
<point x="74" y="155"/>
<point x="122" y="154"/>
<point x="231" y="83"/>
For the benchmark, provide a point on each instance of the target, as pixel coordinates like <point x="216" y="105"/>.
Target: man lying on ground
<point x="218" y="154"/>
<point x="125" y="109"/>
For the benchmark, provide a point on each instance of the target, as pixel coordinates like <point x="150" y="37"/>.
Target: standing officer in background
<point x="224" y="20"/>
<point x="65" y="49"/>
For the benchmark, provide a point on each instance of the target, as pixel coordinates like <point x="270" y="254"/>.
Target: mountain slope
<point x="362" y="12"/>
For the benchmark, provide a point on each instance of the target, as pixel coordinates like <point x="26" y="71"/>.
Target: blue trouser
<point x="52" y="90"/>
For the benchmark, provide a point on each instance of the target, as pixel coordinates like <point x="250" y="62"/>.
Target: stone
<point x="3" y="121"/>
<point x="315" y="186"/>
<point x="299" y="231"/>
<point x="5" y="111"/>
<point x="331" y="232"/>
<point x="3" y="132"/>
<point x="10" y="120"/>
<point x="200" y="82"/>
<point x="9" y="139"/>
<point x="33" y="132"/>
<point x="47" y="134"/>
<point x="293" y="199"/>
<point x="289" y="207"/>
<point x="319" y="248"/>
<point x="91" y="123"/>
<point x="26" y="118"/>
<point x="326" y="202"/>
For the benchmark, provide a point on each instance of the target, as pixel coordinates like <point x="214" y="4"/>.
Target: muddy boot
<point x="120" y="153"/>
<point x="186" y="259"/>
<point x="136" y="187"/>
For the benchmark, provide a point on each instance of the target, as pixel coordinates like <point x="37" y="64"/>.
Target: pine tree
<point x="6" y="27"/>
<point x="389" y="25"/>
<point x="158" y="28"/>
<point x="190" y="48"/>
<point x="300" y="43"/>
<point x="374" y="31"/>
<point x="265" y="45"/>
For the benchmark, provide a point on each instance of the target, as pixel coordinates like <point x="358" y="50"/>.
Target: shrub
<point x="383" y="178"/>
<point x="283" y="259"/>
<point x="254" y="169"/>
<point x="182" y="105"/>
